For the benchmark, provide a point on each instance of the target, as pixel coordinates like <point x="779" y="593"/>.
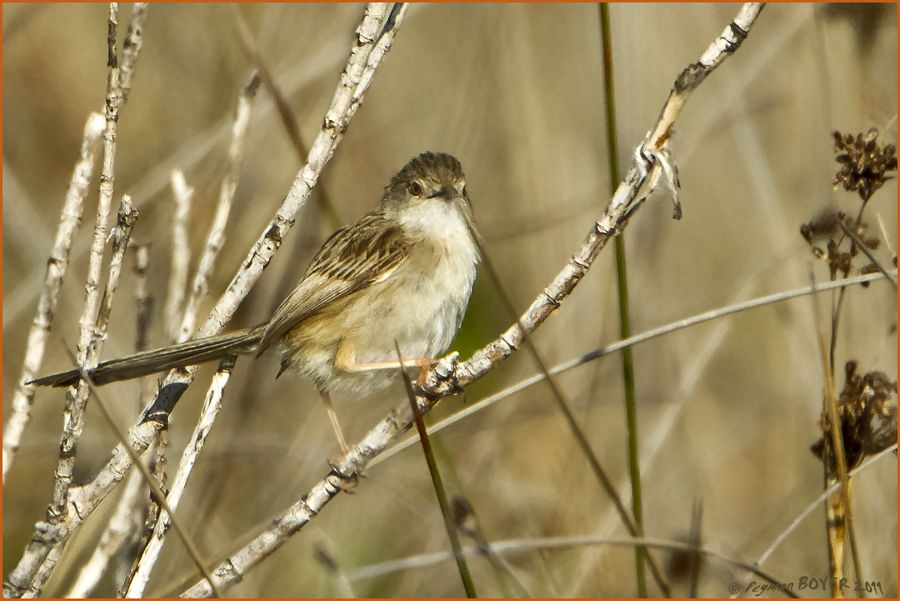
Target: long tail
<point x="191" y="352"/>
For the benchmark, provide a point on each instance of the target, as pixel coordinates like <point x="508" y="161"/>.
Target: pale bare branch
<point x="374" y="37"/>
<point x="37" y="562"/>
<point x="57" y="264"/>
<point x="181" y="254"/>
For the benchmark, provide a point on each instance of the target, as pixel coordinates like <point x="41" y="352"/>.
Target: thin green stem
<point x="577" y="431"/>
<point x="438" y="483"/>
<point x="634" y="468"/>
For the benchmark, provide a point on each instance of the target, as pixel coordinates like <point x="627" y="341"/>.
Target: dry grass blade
<point x="839" y="457"/>
<point x="628" y="378"/>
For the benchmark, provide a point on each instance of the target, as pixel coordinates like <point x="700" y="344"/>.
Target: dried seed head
<point x="864" y="163"/>
<point x="867" y="410"/>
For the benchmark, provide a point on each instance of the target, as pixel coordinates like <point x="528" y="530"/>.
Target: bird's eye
<point x="415" y="189"/>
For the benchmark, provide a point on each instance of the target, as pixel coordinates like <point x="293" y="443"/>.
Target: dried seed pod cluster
<point x="827" y="226"/>
<point x="867" y="410"/>
<point x="864" y="163"/>
<point x="865" y="166"/>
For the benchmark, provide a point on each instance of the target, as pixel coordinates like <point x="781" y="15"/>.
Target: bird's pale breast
<point x="420" y="306"/>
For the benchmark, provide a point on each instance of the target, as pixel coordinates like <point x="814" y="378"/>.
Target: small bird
<point x="400" y="276"/>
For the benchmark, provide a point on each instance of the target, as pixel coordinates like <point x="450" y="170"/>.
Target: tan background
<point x="515" y="92"/>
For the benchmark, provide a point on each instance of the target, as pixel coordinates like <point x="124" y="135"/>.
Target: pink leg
<point x="335" y="424"/>
<point x="345" y="360"/>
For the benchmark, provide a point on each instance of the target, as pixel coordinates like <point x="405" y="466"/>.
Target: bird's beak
<point x="447" y="193"/>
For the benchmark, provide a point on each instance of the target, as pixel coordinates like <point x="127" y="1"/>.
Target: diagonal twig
<point x="449" y="376"/>
<point x="523" y="545"/>
<point x="616" y="346"/>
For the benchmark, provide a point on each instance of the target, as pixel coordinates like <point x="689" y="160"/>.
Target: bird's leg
<point x="335" y="424"/>
<point x="345" y="360"/>
<point x="420" y="362"/>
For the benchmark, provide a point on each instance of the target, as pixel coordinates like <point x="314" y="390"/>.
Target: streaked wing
<point x="354" y="257"/>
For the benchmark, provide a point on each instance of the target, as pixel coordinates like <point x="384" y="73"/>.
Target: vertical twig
<point x="125" y="219"/>
<point x="44" y="550"/>
<point x="125" y="523"/>
<point x="90" y="337"/>
<point x="180" y="257"/>
<point x="127" y="216"/>
<point x="215" y="239"/>
<point x="131" y="47"/>
<point x="208" y="413"/>
<point x="57" y="264"/>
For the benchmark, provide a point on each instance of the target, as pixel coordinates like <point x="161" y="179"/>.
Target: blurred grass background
<point x="727" y="410"/>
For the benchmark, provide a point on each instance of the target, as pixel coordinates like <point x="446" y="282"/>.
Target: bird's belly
<point x="421" y="313"/>
<point x="419" y="308"/>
